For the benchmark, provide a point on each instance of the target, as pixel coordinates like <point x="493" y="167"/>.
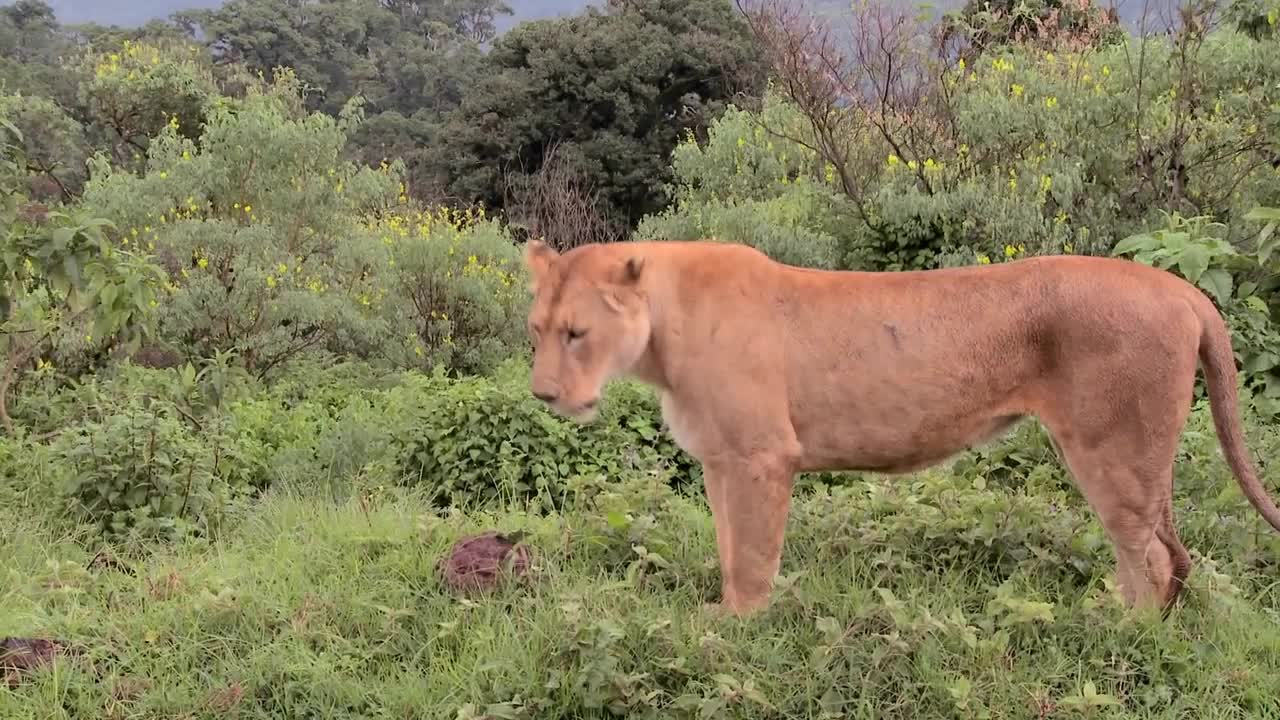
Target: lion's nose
<point x="545" y="396"/>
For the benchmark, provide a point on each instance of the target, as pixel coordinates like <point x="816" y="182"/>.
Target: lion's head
<point x="589" y="323"/>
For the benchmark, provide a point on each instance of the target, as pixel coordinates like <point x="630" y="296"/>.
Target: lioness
<point x="766" y="370"/>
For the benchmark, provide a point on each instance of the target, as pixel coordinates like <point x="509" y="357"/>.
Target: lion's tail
<point x="1219" y="363"/>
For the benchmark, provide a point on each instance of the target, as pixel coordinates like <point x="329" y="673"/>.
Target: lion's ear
<point x="538" y="257"/>
<point x="631" y="269"/>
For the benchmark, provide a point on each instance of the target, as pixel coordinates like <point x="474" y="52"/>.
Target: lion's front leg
<point x="750" y="501"/>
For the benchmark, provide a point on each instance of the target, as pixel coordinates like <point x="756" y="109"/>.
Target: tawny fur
<point x="766" y="370"/>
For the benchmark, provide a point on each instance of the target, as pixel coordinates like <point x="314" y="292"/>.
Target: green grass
<point x="927" y="597"/>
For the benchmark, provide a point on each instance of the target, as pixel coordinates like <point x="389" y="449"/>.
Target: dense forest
<point x="262" y="329"/>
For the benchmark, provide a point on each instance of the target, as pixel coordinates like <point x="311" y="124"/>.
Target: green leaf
<point x="1131" y="244"/>
<point x="1261" y="362"/>
<point x="1265" y="247"/>
<point x="1217" y="282"/>
<point x="1193" y="262"/>
<point x="1263" y="214"/>
<point x="62" y="237"/>
<point x="107" y="296"/>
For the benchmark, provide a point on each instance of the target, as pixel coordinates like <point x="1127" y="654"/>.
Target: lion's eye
<point x="575" y="334"/>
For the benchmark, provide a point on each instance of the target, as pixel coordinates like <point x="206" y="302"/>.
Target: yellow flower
<point x="984" y="260"/>
<point x="203" y="262"/>
<point x="1016" y="89"/>
<point x="893" y="160"/>
<point x="1050" y="102"/>
<point x="271" y="281"/>
<point x="248" y="209"/>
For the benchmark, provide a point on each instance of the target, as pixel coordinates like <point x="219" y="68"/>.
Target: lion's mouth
<point x="586" y="412"/>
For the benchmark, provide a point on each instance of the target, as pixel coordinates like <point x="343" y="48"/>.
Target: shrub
<point x="130" y="92"/>
<point x="966" y="159"/>
<point x="60" y="279"/>
<point x="475" y="442"/>
<point x="256" y="227"/>
<point x="761" y="190"/>
<point x="141" y="470"/>
<point x="449" y="288"/>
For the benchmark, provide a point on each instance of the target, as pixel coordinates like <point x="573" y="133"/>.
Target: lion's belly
<point x="902" y="444"/>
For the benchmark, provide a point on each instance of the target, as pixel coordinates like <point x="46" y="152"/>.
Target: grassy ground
<point x="926" y="597"/>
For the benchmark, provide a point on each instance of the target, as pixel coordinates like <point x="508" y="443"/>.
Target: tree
<point x="390" y="52"/>
<point x="614" y="91"/>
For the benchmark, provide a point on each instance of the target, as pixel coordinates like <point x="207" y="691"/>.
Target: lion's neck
<point x="651" y="367"/>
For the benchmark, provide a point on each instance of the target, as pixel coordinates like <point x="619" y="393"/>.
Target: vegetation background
<point x="263" y="353"/>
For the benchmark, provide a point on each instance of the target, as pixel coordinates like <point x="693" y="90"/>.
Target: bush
<point x="141" y="470"/>
<point x="477" y="442"/>
<point x="449" y="288"/>
<point x="256" y="226"/>
<point x="984" y="158"/>
<point x="764" y="191"/>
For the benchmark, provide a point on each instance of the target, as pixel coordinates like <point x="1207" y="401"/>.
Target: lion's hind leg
<point x="1131" y="497"/>
<point x="1124" y="468"/>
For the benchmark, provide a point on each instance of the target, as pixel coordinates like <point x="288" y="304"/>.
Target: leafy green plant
<point x="477" y="442"/>
<point x="141" y="470"/>
<point x="1192" y="246"/>
<point x="59" y="274"/>
<point x="450" y="290"/>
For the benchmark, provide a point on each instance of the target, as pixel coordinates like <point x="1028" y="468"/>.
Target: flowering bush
<point x="255" y="225"/>
<point x="134" y="90"/>
<point x="275" y="246"/>
<point x="763" y="190"/>
<point x="449" y="289"/>
<point x="990" y="159"/>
